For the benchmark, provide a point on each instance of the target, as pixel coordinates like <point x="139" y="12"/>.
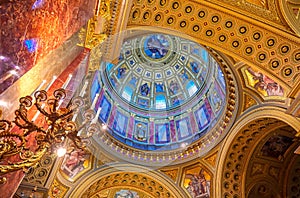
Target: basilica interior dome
<point x="164" y="92"/>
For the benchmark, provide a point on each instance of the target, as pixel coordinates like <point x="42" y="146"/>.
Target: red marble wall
<point x="30" y="29"/>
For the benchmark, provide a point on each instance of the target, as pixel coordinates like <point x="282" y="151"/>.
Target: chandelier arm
<point x="53" y="105"/>
<point x="66" y="115"/>
<point x="30" y="127"/>
<point x="8" y="125"/>
<point x="82" y="125"/>
<point x="10" y="145"/>
<point x="40" y="109"/>
<point x="27" y="163"/>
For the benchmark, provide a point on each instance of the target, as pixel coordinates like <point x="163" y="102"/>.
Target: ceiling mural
<point x="256" y="44"/>
<point x="276" y="146"/>
<point x="159" y="71"/>
<point x="165" y="93"/>
<point x="197" y="182"/>
<point x="194" y="105"/>
<point x="262" y="83"/>
<point x="31" y="29"/>
<point x="126" y="194"/>
<point x="76" y="162"/>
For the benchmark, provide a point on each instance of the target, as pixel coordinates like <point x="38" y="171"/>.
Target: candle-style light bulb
<point x="67" y="81"/>
<point x="94" y="101"/>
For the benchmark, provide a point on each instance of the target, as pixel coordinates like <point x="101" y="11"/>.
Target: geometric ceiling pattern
<point x="227" y="151"/>
<point x="254" y="43"/>
<point x="164" y="93"/>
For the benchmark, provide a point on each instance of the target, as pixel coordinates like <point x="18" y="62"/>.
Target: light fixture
<point x="25" y="140"/>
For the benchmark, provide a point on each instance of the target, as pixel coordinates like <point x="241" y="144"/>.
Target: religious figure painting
<point x="263" y="84"/>
<point x="197" y="182"/>
<point x="215" y="99"/>
<point x="162" y="133"/>
<point x="159" y="87"/>
<point x="121" y="71"/>
<point x="156" y="46"/>
<point x="177" y="100"/>
<point x="145" y="89"/>
<point x="173" y="87"/>
<point x="126" y="194"/>
<point x="75" y="161"/>
<point x="143" y="102"/>
<point x="184" y="75"/>
<point x="276" y="146"/>
<point x="140" y="131"/>
<point x="183" y="128"/>
<point x="194" y="66"/>
<point x="105" y="109"/>
<point x="133" y="80"/>
<point x="120" y="123"/>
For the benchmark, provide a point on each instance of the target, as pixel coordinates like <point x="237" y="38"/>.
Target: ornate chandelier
<point x="24" y="141"/>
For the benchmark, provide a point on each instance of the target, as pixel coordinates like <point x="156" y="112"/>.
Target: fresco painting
<point x="263" y="84"/>
<point x="126" y="194"/>
<point x="75" y="161"/>
<point x="197" y="182"/>
<point x="276" y="146"/>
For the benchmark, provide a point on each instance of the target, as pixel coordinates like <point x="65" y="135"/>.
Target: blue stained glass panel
<point x="162" y="133"/>
<point x="120" y="123"/>
<point x="105" y="109"/>
<point x="160" y="102"/>
<point x="202" y="117"/>
<point x="183" y="128"/>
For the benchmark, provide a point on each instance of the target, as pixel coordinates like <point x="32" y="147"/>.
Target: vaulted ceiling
<point x="249" y="151"/>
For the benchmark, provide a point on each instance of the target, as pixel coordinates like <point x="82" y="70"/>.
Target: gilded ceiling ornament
<point x="171" y="173"/>
<point x="57" y="189"/>
<point x="248" y="101"/>
<point x="212" y="159"/>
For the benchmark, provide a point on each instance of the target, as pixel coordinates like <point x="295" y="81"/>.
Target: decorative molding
<point x="248" y="102"/>
<point x="57" y="189"/>
<point x="128" y="176"/>
<point x="290" y="9"/>
<point x="173" y="174"/>
<point x="211" y="159"/>
<point x="258" y="44"/>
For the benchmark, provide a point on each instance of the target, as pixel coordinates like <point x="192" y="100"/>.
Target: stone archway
<point x="240" y="145"/>
<point x="131" y="176"/>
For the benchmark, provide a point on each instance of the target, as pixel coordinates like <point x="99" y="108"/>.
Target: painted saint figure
<point x="198" y="186"/>
<point x="145" y="89"/>
<point x="140" y="132"/>
<point x="174" y="87"/>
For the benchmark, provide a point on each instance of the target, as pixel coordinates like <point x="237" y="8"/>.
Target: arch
<point x="128" y="175"/>
<point x="240" y="143"/>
